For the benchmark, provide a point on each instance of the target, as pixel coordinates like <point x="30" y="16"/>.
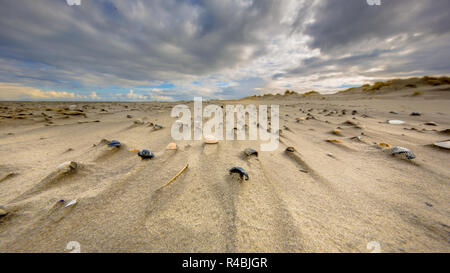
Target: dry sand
<point x="325" y="197"/>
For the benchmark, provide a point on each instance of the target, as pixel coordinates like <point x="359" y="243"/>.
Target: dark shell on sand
<point x="114" y="143"/>
<point x="431" y="123"/>
<point x="250" y="152"/>
<point x="400" y="150"/>
<point x="240" y="171"/>
<point x="145" y="154"/>
<point x="290" y="149"/>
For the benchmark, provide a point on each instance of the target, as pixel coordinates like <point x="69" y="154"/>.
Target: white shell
<point x="396" y="122"/>
<point x="71" y="203"/>
<point x="66" y="166"/>
<point x="211" y="139"/>
<point x="443" y="144"/>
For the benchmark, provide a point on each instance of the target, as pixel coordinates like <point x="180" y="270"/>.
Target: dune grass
<point x="310" y="93"/>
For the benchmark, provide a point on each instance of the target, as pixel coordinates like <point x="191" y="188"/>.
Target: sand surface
<point x="324" y="197"/>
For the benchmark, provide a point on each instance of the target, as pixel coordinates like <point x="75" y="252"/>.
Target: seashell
<point x="350" y="122"/>
<point x="335" y="140"/>
<point x="250" y="152"/>
<point x="443" y="144"/>
<point x="70" y="203"/>
<point x="240" y="171"/>
<point x="431" y="123"/>
<point x="209" y="139"/>
<point x="145" y="154"/>
<point x="114" y="143"/>
<point x="357" y="138"/>
<point x="396" y="122"/>
<point x="384" y="145"/>
<point x="172" y="146"/>
<point x="290" y="149"/>
<point x="400" y="150"/>
<point x="67" y="166"/>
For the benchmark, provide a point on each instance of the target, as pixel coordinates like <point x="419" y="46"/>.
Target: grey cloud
<point x="135" y="41"/>
<point x="342" y="23"/>
<point x="49" y="44"/>
<point x="353" y="38"/>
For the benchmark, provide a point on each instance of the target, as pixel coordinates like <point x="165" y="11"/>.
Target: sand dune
<point x="325" y="196"/>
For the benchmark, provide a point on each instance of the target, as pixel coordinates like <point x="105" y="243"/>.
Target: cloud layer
<point x="131" y="49"/>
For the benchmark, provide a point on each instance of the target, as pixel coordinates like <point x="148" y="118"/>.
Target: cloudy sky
<point x="172" y="50"/>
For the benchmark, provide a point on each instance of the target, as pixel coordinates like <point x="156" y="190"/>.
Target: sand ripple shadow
<point x="52" y="180"/>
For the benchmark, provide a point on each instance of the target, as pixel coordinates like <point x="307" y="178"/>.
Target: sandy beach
<point x="326" y="196"/>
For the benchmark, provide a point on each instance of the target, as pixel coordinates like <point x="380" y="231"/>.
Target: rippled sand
<point x="324" y="197"/>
